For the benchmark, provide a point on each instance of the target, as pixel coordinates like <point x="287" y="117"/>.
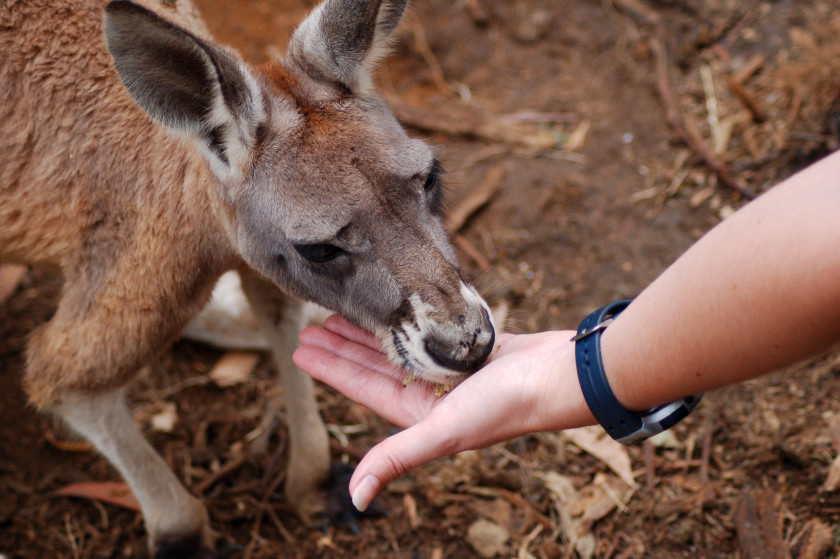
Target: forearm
<point x="758" y="292"/>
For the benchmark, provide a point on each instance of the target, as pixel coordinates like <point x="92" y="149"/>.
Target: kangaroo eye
<point x="319" y="253"/>
<point x="431" y="182"/>
<point x="433" y="179"/>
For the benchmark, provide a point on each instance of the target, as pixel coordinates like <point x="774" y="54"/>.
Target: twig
<point x="263" y="507"/>
<point x="426" y="52"/>
<point x="460" y="120"/>
<point x="749" y="68"/>
<point x="744" y="96"/>
<point x="225" y="470"/>
<point x="277" y="523"/>
<point x="187" y="383"/>
<point x="739" y="27"/>
<point x="705" y="454"/>
<point x="650" y="467"/>
<point x="688" y="134"/>
<point x="641" y="10"/>
<point x="478" y="13"/>
<point x="514" y="499"/>
<point x="475" y="200"/>
<point x="471" y="251"/>
<point x="353" y="452"/>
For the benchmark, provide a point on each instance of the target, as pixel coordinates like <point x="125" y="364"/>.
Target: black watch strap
<point x="620" y="423"/>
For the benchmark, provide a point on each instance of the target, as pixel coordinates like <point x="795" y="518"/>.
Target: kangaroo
<point x="145" y="161"/>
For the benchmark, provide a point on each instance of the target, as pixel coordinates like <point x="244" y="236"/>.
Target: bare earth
<point x="570" y="186"/>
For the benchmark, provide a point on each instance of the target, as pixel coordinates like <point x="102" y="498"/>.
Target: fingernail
<point x="364" y="493"/>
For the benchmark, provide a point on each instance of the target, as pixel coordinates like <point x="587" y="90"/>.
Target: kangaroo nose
<point x="463" y="359"/>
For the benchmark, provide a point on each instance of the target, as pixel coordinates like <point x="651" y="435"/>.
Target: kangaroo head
<point x="326" y="194"/>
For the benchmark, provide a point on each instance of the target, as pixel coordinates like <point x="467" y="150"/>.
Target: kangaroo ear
<point x="342" y="40"/>
<point x="192" y="87"/>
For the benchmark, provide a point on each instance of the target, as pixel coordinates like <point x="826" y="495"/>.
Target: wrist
<point x="631" y="393"/>
<point x="621" y="423"/>
<point x="559" y="401"/>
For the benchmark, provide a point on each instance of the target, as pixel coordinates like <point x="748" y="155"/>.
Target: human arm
<point x="760" y="291"/>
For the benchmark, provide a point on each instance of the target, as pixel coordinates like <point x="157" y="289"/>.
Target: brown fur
<point x="98" y="237"/>
<point x="141" y="223"/>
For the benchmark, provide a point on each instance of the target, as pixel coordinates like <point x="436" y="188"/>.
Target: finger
<point x="369" y="387"/>
<point x="340" y="325"/>
<point x="395" y="456"/>
<point x="483" y="410"/>
<point x="363" y="355"/>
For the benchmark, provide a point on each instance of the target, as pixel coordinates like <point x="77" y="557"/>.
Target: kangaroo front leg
<point x="175" y="520"/>
<point x="279" y="318"/>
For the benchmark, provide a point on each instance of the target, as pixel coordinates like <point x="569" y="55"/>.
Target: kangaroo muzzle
<point x="442" y="347"/>
<point x="465" y="356"/>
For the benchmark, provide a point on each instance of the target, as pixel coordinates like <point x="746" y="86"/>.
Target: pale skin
<point x="760" y="291"/>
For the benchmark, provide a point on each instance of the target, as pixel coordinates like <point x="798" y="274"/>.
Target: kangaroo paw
<point x="193" y="546"/>
<point x="339" y="507"/>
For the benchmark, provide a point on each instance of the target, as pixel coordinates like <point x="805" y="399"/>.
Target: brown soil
<point x="555" y="108"/>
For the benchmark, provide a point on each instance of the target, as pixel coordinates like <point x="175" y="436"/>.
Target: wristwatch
<point x="621" y="424"/>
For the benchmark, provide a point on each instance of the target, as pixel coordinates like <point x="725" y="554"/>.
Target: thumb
<point x="398" y="454"/>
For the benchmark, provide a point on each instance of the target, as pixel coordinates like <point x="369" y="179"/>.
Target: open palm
<point x="526" y="387"/>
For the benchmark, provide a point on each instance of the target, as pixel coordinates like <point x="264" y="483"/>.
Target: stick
<point x="514" y="499"/>
<point x="641" y="10"/>
<point x="475" y="200"/>
<point x="225" y="470"/>
<point x="744" y="96"/>
<point x="426" y="52"/>
<point x="471" y="251"/>
<point x="688" y="134"/>
<point x="459" y="121"/>
<point x="650" y="467"/>
<point x="705" y="454"/>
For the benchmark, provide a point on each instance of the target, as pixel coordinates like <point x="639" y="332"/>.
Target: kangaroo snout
<point x="466" y="356"/>
<point x="445" y="341"/>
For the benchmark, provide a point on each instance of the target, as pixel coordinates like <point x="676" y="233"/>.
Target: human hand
<point x="529" y="385"/>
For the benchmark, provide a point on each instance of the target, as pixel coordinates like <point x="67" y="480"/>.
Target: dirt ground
<point x="588" y="143"/>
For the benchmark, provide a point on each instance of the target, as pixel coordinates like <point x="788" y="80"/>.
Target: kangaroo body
<point x="141" y="160"/>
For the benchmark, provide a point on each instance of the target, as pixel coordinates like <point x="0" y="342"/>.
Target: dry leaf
<point x="598" y="499"/>
<point x="834" y="430"/>
<point x="499" y="511"/>
<point x="832" y="481"/>
<point x="577" y="137"/>
<point x="596" y="442"/>
<point x="459" y="470"/>
<point x="233" y="368"/>
<point x="113" y="492"/>
<point x="566" y="500"/>
<point x="164" y="421"/>
<point x="487" y="537"/>
<point x="818" y="542"/>
<point x="410" y="506"/>
<point x="593" y="504"/>
<point x="665" y="439"/>
<point x="565" y="495"/>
